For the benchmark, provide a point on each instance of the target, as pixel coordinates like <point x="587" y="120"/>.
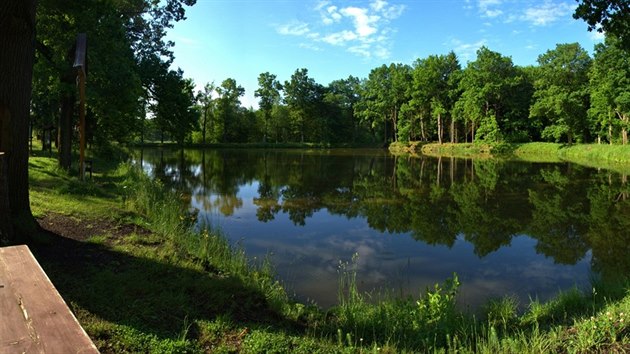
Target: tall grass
<point x="168" y="216"/>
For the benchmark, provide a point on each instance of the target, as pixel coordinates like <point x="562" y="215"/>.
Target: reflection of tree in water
<point x="559" y="218"/>
<point x="609" y="231"/>
<point x="568" y="209"/>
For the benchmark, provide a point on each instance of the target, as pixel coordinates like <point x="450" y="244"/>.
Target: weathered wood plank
<point x="34" y="318"/>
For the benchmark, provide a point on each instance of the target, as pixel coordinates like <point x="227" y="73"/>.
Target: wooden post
<point x="79" y="64"/>
<point x="82" y="124"/>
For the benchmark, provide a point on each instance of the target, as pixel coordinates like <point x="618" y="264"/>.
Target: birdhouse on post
<point x="80" y="63"/>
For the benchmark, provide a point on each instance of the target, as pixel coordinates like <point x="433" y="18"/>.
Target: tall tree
<point x="228" y="111"/>
<point x="17" y="34"/>
<point x="301" y="93"/>
<point x="610" y="16"/>
<point x="434" y="80"/>
<point x="488" y="88"/>
<point x="207" y="107"/>
<point x="385" y="92"/>
<point x="174" y="109"/>
<point x="610" y="89"/>
<point x="341" y="96"/>
<point x="269" y="93"/>
<point x="561" y="95"/>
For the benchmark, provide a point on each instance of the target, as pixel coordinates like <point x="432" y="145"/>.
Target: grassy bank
<point x="121" y="250"/>
<point x="615" y="157"/>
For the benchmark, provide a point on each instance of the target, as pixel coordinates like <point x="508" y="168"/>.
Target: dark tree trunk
<point x="68" y="99"/>
<point x="17" y="38"/>
<point x="65" y="132"/>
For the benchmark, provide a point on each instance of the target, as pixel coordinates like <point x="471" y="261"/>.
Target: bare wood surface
<point x="34" y="318"/>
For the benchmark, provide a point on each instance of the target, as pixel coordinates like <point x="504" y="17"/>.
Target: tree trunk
<point x="65" y="132"/>
<point x="68" y="100"/>
<point x="203" y="131"/>
<point x="440" y="128"/>
<point x="17" y="36"/>
<point x="610" y="134"/>
<point x="422" y="130"/>
<point x="624" y="130"/>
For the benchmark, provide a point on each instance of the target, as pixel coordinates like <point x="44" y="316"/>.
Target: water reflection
<point x="505" y="227"/>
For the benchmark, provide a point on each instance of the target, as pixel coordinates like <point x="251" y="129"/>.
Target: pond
<point x="522" y="229"/>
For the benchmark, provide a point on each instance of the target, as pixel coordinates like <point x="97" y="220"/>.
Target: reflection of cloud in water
<point x="395" y="264"/>
<point x="307" y="259"/>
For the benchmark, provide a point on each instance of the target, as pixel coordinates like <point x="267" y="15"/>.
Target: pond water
<point x="506" y="228"/>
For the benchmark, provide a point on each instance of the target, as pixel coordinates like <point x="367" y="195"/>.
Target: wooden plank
<point x="34" y="318"/>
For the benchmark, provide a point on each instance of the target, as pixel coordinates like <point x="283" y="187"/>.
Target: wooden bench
<point x="33" y="316"/>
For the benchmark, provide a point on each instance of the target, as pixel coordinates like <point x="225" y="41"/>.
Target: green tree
<point x="207" y="107"/>
<point x="122" y="36"/>
<point x="610" y="89"/>
<point x="385" y="92"/>
<point x="489" y="87"/>
<point x="561" y="92"/>
<point x="610" y="16"/>
<point x="269" y="93"/>
<point x="174" y="109"/>
<point x="227" y="126"/>
<point x="301" y="94"/>
<point x="341" y="97"/>
<point x="434" y="80"/>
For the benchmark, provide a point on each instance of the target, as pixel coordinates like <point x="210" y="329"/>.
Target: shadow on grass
<point x="151" y="296"/>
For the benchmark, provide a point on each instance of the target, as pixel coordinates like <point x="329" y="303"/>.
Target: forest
<point x="134" y="94"/>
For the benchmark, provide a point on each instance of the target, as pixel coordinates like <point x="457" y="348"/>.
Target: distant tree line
<point x="568" y="97"/>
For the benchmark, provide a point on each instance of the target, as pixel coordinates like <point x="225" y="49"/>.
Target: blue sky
<point x="333" y="39"/>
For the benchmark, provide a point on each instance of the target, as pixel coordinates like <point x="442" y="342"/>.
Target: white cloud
<point x="465" y="51"/>
<point x="339" y="38"/>
<point x="363" y="23"/>
<point x="362" y="30"/>
<point x="596" y="36"/>
<point x="547" y="13"/>
<point x="493" y="13"/>
<point x="487" y="8"/>
<point x="294" y="28"/>
<point x="310" y="46"/>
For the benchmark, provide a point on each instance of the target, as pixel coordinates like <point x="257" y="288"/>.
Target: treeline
<point x="134" y="95"/>
<point x="568" y="97"/>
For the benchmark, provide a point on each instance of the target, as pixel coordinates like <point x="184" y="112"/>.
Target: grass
<point x="613" y="157"/>
<point x="140" y="279"/>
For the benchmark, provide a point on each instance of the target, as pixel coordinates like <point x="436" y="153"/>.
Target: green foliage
<point x="561" y="92"/>
<point x="384" y="93"/>
<point x="123" y="38"/>
<point x="491" y="89"/>
<point x="433" y="93"/>
<point x="610" y="95"/>
<point x="609" y="16"/>
<point x="269" y="94"/>
<point x="174" y="111"/>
